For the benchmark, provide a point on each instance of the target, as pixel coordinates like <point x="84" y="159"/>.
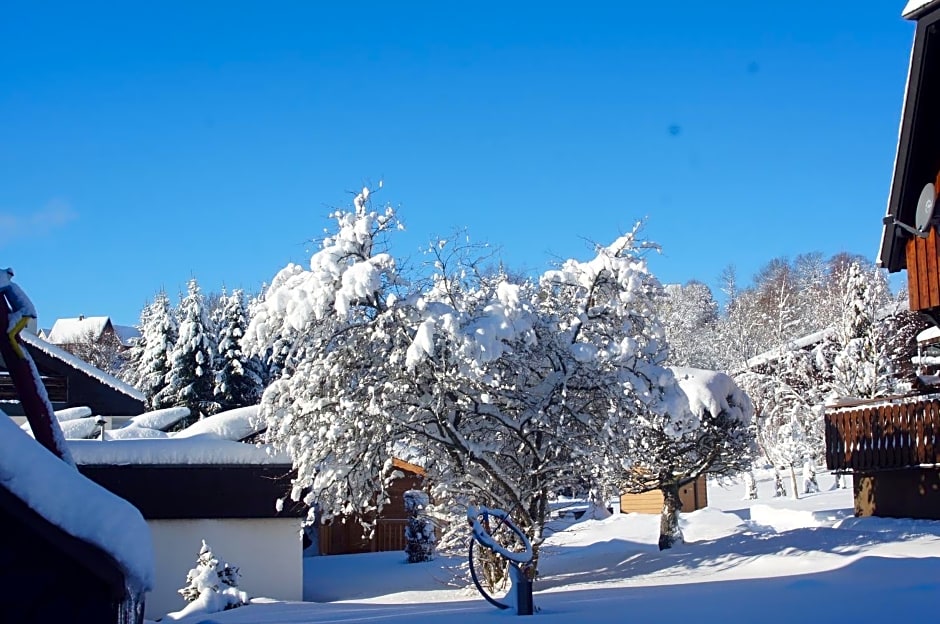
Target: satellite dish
<point x="925" y="208"/>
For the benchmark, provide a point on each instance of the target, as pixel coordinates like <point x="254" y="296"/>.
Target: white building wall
<point x="267" y="551"/>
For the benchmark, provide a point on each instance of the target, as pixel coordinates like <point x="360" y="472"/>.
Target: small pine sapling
<point x="419" y="532"/>
<point x="214" y="582"/>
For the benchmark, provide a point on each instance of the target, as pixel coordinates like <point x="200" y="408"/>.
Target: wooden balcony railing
<point x="344" y="538"/>
<point x="883" y="435"/>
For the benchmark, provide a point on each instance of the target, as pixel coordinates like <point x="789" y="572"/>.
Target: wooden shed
<point x="693" y="496"/>
<point x="345" y="535"/>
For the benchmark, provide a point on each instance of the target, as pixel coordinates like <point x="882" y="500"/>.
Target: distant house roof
<point x="929" y="335"/>
<point x="126" y="334"/>
<point x="814" y="338"/>
<point x="78" y="330"/>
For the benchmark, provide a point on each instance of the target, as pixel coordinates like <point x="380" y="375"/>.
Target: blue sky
<point x="144" y="144"/>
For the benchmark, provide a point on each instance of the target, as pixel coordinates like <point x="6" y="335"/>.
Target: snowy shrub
<point x="419" y="532"/>
<point x="213" y="583"/>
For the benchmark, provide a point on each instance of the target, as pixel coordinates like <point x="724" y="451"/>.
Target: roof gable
<point x="49" y="356"/>
<point x="917" y="160"/>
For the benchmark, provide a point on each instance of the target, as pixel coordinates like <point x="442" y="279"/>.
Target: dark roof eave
<point x="917" y="12"/>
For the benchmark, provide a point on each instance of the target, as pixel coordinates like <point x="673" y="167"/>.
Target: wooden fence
<point x="883" y="436"/>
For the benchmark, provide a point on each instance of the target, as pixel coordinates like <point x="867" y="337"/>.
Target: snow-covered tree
<point x="238" y="381"/>
<point x="104" y="351"/>
<point x="689" y="314"/>
<point x="861" y="366"/>
<point x="214" y="583"/>
<point x="149" y="362"/>
<point x="420" y="535"/>
<point x="190" y="381"/>
<point x="790" y="392"/>
<point x="513" y="390"/>
<point x="713" y="436"/>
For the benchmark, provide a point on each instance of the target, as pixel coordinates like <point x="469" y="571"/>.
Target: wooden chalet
<point x="892" y="446"/>
<point x="71" y="382"/>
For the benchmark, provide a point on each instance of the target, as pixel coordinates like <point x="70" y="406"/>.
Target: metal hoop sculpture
<point x="482" y="534"/>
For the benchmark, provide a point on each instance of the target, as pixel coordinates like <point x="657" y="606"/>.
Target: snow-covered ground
<point x="770" y="560"/>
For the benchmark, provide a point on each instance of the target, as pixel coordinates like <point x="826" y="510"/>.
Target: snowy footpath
<point x="768" y="560"/>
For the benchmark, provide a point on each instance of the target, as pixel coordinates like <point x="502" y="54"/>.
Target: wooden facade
<point x="346" y="535"/>
<point x="923" y="272"/>
<point x="892" y="449"/>
<point x="693" y="496"/>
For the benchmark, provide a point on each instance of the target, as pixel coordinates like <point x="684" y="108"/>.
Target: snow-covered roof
<point x="931" y="333"/>
<point x="199" y="450"/>
<point x="236" y="424"/>
<point x="159" y="419"/>
<point x="78" y="506"/>
<point x="816" y="337"/>
<point x="77" y="330"/>
<point x="915" y="8"/>
<point x="60" y="354"/>
<point x="126" y="334"/>
<point x="791" y="345"/>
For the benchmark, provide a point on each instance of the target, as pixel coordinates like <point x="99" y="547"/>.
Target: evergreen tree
<point x="191" y="376"/>
<point x="238" y="382"/>
<point x="149" y="364"/>
<point x="861" y="367"/>
<point x="419" y="532"/>
<point x="214" y="576"/>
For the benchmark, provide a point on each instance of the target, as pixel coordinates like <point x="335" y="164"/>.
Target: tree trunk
<point x="796" y="491"/>
<point x="810" y="484"/>
<point x="669" y="532"/>
<point x="750" y="485"/>
<point x="779" y="490"/>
